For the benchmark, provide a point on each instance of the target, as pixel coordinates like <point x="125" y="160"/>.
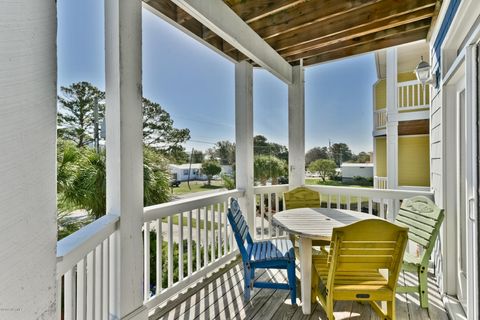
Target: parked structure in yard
<point x="351" y="170"/>
<point x="401" y="113"/>
<point x="180" y="172"/>
<point x="103" y="270"/>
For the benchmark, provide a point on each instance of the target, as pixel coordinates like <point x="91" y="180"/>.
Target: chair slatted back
<point x="365" y="246"/>
<point x="240" y="228"/>
<point x="301" y="197"/>
<point x="423" y="218"/>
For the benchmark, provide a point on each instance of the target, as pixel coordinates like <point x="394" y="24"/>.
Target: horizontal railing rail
<point x="380" y="202"/>
<point x="184" y="240"/>
<point x="83" y="269"/>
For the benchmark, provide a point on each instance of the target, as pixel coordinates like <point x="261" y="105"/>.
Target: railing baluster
<point x="180" y="246"/>
<point x="424" y="100"/>
<point x="226" y="244"/>
<point x="262" y="214"/>
<point x="382" y="209"/>
<point x="277" y="207"/>
<point x="159" y="257"/>
<point x="105" y="284"/>
<point x="219" y="230"/>
<point x="197" y="226"/>
<point x="338" y="201"/>
<point x="189" y="243"/>
<point x="359" y="204"/>
<point x="329" y="203"/>
<point x="146" y="261"/>
<point x="59" y="298"/>
<point x="348" y="202"/>
<point x="90" y="285"/>
<point x="370" y="209"/>
<point x="212" y="232"/>
<point x="418" y="95"/>
<point x="205" y="233"/>
<point x="98" y="281"/>
<point x="269" y="215"/>
<point x="81" y="291"/>
<point x="170" y="251"/>
<point x="69" y="295"/>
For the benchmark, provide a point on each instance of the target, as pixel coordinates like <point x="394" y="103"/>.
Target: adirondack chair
<point x="423" y="218"/>
<point x="350" y="271"/>
<point x="302" y="197"/>
<point x="270" y="254"/>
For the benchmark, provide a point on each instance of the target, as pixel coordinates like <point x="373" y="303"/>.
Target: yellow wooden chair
<point x="363" y="264"/>
<point x="303" y="197"/>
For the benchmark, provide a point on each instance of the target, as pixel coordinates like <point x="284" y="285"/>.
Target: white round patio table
<point x="313" y="224"/>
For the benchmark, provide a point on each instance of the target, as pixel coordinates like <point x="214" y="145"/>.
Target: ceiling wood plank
<point x="396" y="23"/>
<point x="373" y="37"/>
<point x="218" y="17"/>
<point x="305" y="14"/>
<point x="392" y="41"/>
<point x="380" y="11"/>
<point x="166" y="7"/>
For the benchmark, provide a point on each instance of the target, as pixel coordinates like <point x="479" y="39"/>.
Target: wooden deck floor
<point x="220" y="296"/>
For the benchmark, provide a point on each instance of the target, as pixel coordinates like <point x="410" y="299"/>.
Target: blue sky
<point x="196" y="85"/>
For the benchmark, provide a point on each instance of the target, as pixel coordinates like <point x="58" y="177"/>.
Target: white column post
<point x="123" y="64"/>
<point x="244" y="137"/>
<point x="392" y="126"/>
<point x="28" y="208"/>
<point x="296" y="128"/>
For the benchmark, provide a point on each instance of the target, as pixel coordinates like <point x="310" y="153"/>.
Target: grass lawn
<point x="194" y="222"/>
<point x="197" y="186"/>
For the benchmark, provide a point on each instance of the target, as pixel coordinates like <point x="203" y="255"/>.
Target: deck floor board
<point x="220" y="296"/>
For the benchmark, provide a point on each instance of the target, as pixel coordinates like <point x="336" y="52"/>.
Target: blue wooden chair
<point x="270" y="254"/>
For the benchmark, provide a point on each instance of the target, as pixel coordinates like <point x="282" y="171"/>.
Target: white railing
<point x="383" y="203"/>
<point x="191" y="238"/>
<point x="380" y="119"/>
<point x="412" y="95"/>
<point x="83" y="270"/>
<point x="380" y="182"/>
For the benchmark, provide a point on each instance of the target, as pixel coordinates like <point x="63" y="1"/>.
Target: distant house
<point x="351" y="170"/>
<point x="180" y="172"/>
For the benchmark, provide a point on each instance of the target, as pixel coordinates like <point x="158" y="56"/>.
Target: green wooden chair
<point x="423" y="218"/>
<point x="353" y="269"/>
<point x="303" y="197"/>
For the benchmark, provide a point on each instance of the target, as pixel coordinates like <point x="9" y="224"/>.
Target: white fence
<point x="380" y="182"/>
<point x="412" y="95"/>
<point x="183" y="241"/>
<point x="380" y="119"/>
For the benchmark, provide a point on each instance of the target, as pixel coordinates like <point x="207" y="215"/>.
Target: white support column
<point x="28" y="208"/>
<point x="296" y="128"/>
<point x="123" y="64"/>
<point x="244" y="137"/>
<point x="392" y="126"/>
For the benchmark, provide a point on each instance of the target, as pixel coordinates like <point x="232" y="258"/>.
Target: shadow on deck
<point x="220" y="296"/>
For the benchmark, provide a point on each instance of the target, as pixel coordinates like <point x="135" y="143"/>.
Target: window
<point x="185" y="172"/>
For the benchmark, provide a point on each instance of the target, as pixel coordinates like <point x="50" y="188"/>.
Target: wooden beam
<point x="218" y="17"/>
<point x="368" y="47"/>
<point x="369" y="38"/>
<point x="380" y="11"/>
<point x="167" y="8"/>
<point x="297" y="52"/>
<point x="305" y="14"/>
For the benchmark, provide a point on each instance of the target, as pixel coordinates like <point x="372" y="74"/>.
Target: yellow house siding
<point x="381" y="156"/>
<point x="406" y="76"/>
<point x="380" y="94"/>
<point x="413" y="161"/>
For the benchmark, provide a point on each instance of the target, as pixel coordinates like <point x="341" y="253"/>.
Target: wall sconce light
<point x="423" y="72"/>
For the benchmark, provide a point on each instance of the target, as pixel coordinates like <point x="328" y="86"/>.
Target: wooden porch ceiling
<point x="318" y="30"/>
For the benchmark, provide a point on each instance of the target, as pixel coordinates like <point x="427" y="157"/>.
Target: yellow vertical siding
<point x="413" y="161"/>
<point x="381" y="156"/>
<point x="380" y="94"/>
